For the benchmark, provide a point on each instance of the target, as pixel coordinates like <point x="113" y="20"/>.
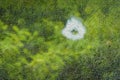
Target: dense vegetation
<point x="33" y="48"/>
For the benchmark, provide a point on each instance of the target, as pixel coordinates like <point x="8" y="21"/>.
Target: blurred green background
<point x="33" y="48"/>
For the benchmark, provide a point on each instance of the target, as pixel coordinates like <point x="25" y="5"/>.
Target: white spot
<point x="74" y="29"/>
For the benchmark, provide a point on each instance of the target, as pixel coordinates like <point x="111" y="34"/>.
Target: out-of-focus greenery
<point x="33" y="48"/>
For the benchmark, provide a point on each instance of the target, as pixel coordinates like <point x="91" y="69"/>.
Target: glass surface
<point x="59" y="39"/>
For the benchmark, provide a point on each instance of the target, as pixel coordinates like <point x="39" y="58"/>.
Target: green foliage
<point x="33" y="48"/>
